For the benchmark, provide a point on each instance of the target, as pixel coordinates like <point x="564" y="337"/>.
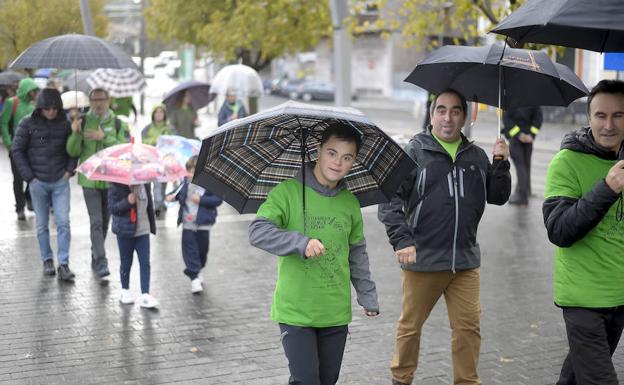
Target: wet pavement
<point x="57" y="333"/>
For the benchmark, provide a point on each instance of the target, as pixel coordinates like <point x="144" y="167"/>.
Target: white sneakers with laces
<point x="126" y="297"/>
<point x="147" y="301"/>
<point x="197" y="286"/>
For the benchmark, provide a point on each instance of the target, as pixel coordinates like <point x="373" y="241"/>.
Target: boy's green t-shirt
<point x="314" y="292"/>
<point x="590" y="272"/>
<point x="451" y="148"/>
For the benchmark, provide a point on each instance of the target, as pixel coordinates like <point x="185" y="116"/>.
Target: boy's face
<point x="336" y="157"/>
<point x="190" y="172"/>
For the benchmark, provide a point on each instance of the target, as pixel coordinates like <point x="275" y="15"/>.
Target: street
<point x="57" y="333"/>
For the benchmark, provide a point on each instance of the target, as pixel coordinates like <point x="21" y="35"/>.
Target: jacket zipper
<point x="454" y="175"/>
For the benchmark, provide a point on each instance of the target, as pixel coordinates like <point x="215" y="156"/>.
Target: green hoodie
<point x="79" y="146"/>
<point x="24" y="108"/>
<point x="154" y="130"/>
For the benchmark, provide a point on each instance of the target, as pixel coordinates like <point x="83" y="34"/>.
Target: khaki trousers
<point x="421" y="291"/>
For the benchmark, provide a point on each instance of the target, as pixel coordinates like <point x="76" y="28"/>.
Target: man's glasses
<point x="98" y="100"/>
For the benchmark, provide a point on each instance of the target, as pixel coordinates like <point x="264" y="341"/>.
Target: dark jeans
<point x="195" y="246"/>
<point x="521" y="157"/>
<point x="127" y="246"/>
<point x="314" y="354"/>
<point x="21" y="195"/>
<point x="99" y="216"/>
<point x="593" y="336"/>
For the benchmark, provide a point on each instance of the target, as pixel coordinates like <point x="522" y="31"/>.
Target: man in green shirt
<point x="585" y="179"/>
<point x="312" y="300"/>
<point x="100" y="129"/>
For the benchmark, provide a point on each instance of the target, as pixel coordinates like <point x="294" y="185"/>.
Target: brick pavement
<point x="56" y="333"/>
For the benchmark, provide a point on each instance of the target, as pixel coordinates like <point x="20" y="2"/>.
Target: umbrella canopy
<point x="73" y="51"/>
<point x="595" y="25"/>
<point x="526" y="77"/>
<point x="131" y="163"/>
<point x="119" y="83"/>
<point x="245" y="158"/>
<point x="244" y="79"/>
<point x="74" y="99"/>
<point x="78" y="81"/>
<point x="178" y="147"/>
<point x="200" y="94"/>
<point x="10" y="78"/>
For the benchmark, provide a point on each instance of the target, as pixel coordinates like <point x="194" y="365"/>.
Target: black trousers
<point x="20" y="194"/>
<point x="593" y="336"/>
<point x="314" y="354"/>
<point x="521" y="157"/>
<point x="195" y="246"/>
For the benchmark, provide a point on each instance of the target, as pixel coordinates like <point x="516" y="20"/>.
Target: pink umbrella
<point x="132" y="163"/>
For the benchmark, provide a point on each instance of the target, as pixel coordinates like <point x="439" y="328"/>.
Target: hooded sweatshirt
<point x="24" y="108"/>
<point x="581" y="220"/>
<point x="152" y="131"/>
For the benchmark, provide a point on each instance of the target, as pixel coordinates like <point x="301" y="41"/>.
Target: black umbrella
<point x="499" y="76"/>
<point x="597" y="25"/>
<point x="73" y="51"/>
<point x="10" y="78"/>
<point x="200" y="94"/>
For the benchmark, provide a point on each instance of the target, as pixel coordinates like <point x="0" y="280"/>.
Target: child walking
<point x="312" y="299"/>
<point x="197" y="214"/>
<point x="132" y="210"/>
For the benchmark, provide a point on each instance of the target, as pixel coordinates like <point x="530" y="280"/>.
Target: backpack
<point x="12" y="120"/>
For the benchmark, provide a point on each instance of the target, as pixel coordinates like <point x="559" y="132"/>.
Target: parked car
<point x="291" y="88"/>
<point x="318" y="90"/>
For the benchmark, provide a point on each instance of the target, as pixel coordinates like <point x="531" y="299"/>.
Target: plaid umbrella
<point x="73" y="51"/>
<point x="119" y="83"/>
<point x="244" y="159"/>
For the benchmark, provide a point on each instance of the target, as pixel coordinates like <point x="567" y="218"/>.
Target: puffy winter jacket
<point x="443" y="225"/>
<point x="39" y="145"/>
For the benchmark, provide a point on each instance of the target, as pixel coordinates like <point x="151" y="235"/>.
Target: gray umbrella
<point x="73" y="51"/>
<point x="10" y="78"/>
<point x="597" y="25"/>
<point x="200" y="94"/>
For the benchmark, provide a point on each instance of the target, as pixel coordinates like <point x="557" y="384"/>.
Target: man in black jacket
<point x="437" y="211"/>
<point x="39" y="153"/>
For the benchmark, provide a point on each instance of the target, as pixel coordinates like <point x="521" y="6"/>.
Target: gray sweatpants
<point x="97" y="207"/>
<point x="314" y="354"/>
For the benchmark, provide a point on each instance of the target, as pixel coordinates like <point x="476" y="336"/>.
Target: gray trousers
<point x="99" y="216"/>
<point x="314" y="354"/>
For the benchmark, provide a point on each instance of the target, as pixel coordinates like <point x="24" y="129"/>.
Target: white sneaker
<point x="196" y="286"/>
<point x="126" y="297"/>
<point x="200" y="277"/>
<point x="147" y="301"/>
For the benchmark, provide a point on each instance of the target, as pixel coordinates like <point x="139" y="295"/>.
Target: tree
<point x="253" y="31"/>
<point x="419" y="20"/>
<point x="24" y="22"/>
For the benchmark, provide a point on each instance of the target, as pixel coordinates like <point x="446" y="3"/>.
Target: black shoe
<point x="48" y="267"/>
<point x="64" y="273"/>
<point x="157" y="213"/>
<point x="29" y="205"/>
<point x="515" y="200"/>
<point x="103" y="271"/>
<point x="395" y="382"/>
<point x="21" y="216"/>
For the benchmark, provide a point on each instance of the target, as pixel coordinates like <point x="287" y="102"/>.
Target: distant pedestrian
<point x="197" y="214"/>
<point x="312" y="300"/>
<point x="41" y="159"/>
<point x="232" y="108"/>
<point x="432" y="225"/>
<point x="133" y="221"/>
<point x="183" y="117"/>
<point x="98" y="129"/>
<point x="14" y="110"/>
<point x="583" y="216"/>
<point x="521" y="126"/>
<point x="150" y="134"/>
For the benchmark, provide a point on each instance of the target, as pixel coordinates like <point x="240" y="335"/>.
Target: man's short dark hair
<point x="343" y="132"/>
<point x="98" y="90"/>
<point x="605" y="87"/>
<point x="462" y="99"/>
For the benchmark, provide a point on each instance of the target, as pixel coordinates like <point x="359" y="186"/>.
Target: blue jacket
<point x="120" y="209"/>
<point x="207" y="212"/>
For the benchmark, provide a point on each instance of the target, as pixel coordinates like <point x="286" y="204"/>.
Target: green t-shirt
<point x="451" y="148"/>
<point x="590" y="273"/>
<point x="314" y="292"/>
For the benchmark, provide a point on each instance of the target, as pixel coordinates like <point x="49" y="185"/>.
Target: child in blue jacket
<point x="132" y="210"/>
<point x="197" y="214"/>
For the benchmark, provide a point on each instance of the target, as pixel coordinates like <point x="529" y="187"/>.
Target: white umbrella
<point x="244" y="79"/>
<point x="74" y="99"/>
